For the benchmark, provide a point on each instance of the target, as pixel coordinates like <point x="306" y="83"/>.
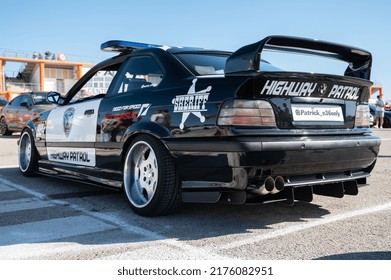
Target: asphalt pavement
<point x="48" y="218"/>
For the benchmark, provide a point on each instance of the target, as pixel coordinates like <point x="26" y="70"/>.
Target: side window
<point x="96" y="86"/>
<point x="140" y="72"/>
<point x="16" y="101"/>
<point x="25" y="101"/>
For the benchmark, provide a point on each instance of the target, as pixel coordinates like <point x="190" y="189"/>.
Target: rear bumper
<point x="238" y="162"/>
<point x="256" y="144"/>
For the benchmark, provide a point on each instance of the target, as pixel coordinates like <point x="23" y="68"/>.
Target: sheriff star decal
<point x="191" y="103"/>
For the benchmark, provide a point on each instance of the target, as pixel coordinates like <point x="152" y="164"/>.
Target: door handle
<point x="88" y="112"/>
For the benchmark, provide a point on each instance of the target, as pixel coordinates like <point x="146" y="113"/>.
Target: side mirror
<point x="55" y="98"/>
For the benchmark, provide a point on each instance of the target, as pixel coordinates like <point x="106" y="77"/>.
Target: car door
<point x="128" y="100"/>
<point x="71" y="129"/>
<point x="71" y="133"/>
<point x="23" y="114"/>
<point x="10" y="112"/>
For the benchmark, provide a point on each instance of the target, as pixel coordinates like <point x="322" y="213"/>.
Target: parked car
<point x="371" y="120"/>
<point x="20" y="109"/>
<point x="386" y="119"/>
<point x="3" y="102"/>
<point x="180" y="125"/>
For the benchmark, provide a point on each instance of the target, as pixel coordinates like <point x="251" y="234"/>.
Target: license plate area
<point x="331" y="114"/>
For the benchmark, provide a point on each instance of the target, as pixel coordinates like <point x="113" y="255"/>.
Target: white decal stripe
<point x="78" y="156"/>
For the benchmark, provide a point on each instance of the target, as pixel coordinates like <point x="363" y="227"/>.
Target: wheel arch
<point x="152" y="129"/>
<point x="29" y="125"/>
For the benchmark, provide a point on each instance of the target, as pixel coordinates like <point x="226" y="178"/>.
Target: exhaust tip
<point x="279" y="183"/>
<point x="266" y="187"/>
<point x="269" y="184"/>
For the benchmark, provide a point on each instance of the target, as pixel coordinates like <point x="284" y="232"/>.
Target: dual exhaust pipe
<point x="271" y="186"/>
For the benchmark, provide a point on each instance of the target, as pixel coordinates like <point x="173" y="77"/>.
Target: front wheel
<point x="150" y="178"/>
<point x="28" y="158"/>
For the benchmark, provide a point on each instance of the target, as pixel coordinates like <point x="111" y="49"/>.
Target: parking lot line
<point x="4" y="188"/>
<point x="43" y="231"/>
<point x="23" y="204"/>
<point x="116" y="221"/>
<point x="305" y="226"/>
<point x="9" y="166"/>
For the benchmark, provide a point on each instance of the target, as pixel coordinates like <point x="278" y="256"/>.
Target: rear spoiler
<point x="245" y="61"/>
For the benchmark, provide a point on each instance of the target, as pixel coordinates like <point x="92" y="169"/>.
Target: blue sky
<point x="77" y="27"/>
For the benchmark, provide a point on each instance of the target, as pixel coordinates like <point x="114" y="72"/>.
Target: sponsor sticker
<point x="143" y="108"/>
<point x="320" y="113"/>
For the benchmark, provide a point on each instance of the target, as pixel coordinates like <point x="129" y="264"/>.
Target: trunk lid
<point x="304" y="100"/>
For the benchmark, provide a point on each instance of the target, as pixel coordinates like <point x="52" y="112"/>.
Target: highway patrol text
<point x="305" y="89"/>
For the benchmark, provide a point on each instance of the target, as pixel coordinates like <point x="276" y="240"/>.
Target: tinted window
<point x="40" y="99"/>
<point x="95" y="87"/>
<point x="25" y="100"/>
<point x="16" y="101"/>
<point x="140" y="72"/>
<point x="203" y="64"/>
<point x="213" y="64"/>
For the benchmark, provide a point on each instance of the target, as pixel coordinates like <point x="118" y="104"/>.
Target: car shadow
<point x="14" y="136"/>
<point x="191" y="222"/>
<point x="382" y="156"/>
<point x="377" y="255"/>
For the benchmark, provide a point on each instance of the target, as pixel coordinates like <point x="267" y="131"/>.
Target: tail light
<point x="362" y="116"/>
<point x="253" y="113"/>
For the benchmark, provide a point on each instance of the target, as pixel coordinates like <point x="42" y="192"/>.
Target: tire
<point x="28" y="156"/>
<point x="386" y="122"/>
<point x="4" y="127"/>
<point x="150" y="179"/>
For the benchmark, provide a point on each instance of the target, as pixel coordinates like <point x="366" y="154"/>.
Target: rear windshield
<point x="40" y="99"/>
<point x="203" y="64"/>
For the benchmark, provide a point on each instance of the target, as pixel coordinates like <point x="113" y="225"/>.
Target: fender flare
<point x="149" y="128"/>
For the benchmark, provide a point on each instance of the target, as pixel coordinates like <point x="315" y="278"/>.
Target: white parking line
<point x="191" y="252"/>
<point x="9" y="166"/>
<point x="47" y="230"/>
<point x="297" y="228"/>
<point x="5" y="188"/>
<point x="20" y="205"/>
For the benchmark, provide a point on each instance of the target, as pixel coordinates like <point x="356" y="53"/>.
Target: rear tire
<point x="28" y="155"/>
<point x="386" y="122"/>
<point x="4" y="127"/>
<point x="150" y="178"/>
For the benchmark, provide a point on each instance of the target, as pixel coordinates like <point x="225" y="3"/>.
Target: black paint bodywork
<point x="217" y="160"/>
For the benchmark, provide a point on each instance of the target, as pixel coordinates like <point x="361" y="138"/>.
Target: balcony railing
<point x="48" y="55"/>
<point x="21" y="87"/>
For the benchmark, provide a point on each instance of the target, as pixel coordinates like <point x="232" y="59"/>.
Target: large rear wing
<point x="246" y="60"/>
